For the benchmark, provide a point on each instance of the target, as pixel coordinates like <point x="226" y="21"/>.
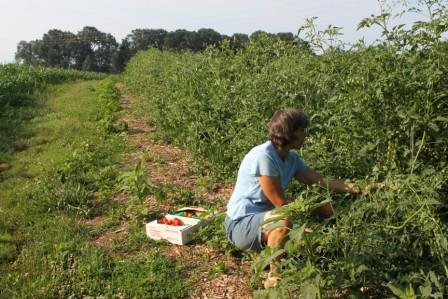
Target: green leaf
<point x="274" y="219"/>
<point x="308" y="290"/>
<point x="398" y="291"/>
<point x="432" y="201"/>
<point x="444" y="243"/>
<point x="425" y="291"/>
<point x="434" y="127"/>
<point x="361" y="268"/>
<point x="433" y="277"/>
<point x="441" y="119"/>
<point x="268" y="260"/>
<point x="274" y="225"/>
<point x="296" y="234"/>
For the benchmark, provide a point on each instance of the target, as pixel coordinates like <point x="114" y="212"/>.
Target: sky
<point x="30" y="19"/>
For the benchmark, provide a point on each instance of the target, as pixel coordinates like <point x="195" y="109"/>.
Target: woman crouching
<point x="263" y="175"/>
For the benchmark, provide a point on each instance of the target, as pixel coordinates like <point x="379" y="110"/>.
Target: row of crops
<point x="379" y="116"/>
<point x="369" y="108"/>
<point x="16" y="80"/>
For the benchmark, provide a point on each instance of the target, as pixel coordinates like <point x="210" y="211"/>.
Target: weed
<point x="213" y="234"/>
<point x="153" y="157"/>
<point x="217" y="269"/>
<point x="8" y="248"/>
<point x="135" y="182"/>
<point x="150" y="276"/>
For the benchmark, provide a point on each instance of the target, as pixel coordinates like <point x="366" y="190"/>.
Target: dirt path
<point x="167" y="164"/>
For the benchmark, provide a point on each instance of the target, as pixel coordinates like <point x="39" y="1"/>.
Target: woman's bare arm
<point x="272" y="189"/>
<point x="310" y="177"/>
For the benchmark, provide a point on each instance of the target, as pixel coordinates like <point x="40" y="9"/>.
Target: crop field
<point x="379" y="116"/>
<point x="18" y="80"/>
<point x="86" y="160"/>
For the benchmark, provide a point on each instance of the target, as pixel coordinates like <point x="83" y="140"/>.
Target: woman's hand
<point x="326" y="210"/>
<point x="310" y="177"/>
<point x="352" y="188"/>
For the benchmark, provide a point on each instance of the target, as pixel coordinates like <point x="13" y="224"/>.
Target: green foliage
<point x="45" y="249"/>
<point x="76" y="270"/>
<point x="218" y="112"/>
<point x="67" y="267"/>
<point x="89" y="50"/>
<point x="149" y="276"/>
<point x="213" y="234"/>
<point x="108" y="104"/>
<point x="8" y="247"/>
<point x="136" y="242"/>
<point x="394" y="235"/>
<point x="70" y="187"/>
<point x="51" y="195"/>
<point x="19" y="80"/>
<point x="13" y="121"/>
<point x="378" y="114"/>
<point x="216" y="269"/>
<point x="135" y="182"/>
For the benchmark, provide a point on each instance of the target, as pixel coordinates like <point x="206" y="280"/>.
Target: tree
<point x="90" y="49"/>
<point x="285" y="36"/>
<point x="122" y="56"/>
<point x="238" y="40"/>
<point x="142" y="39"/>
<point x="178" y="40"/>
<point x="26" y="53"/>
<point x="259" y="33"/>
<point x="56" y="48"/>
<point x="208" y="37"/>
<point x="87" y="64"/>
<point x="93" y="50"/>
<point x="99" y="46"/>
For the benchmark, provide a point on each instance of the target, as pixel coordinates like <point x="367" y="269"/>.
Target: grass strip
<point x="71" y="149"/>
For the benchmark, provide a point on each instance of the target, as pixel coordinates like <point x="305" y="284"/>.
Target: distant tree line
<point x="93" y="50"/>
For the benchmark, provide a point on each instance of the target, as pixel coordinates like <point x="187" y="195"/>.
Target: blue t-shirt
<point x="262" y="160"/>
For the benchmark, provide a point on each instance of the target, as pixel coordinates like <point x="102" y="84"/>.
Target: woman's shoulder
<point x="264" y="149"/>
<point x="260" y="152"/>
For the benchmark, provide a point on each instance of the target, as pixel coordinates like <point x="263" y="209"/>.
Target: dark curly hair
<point x="283" y="125"/>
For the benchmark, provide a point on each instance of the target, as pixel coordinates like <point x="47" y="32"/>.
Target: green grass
<point x="50" y="128"/>
<point x="63" y="148"/>
<point x="61" y="124"/>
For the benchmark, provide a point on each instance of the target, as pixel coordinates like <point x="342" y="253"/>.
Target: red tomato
<point x="174" y="221"/>
<point x="163" y="221"/>
<point x="177" y="222"/>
